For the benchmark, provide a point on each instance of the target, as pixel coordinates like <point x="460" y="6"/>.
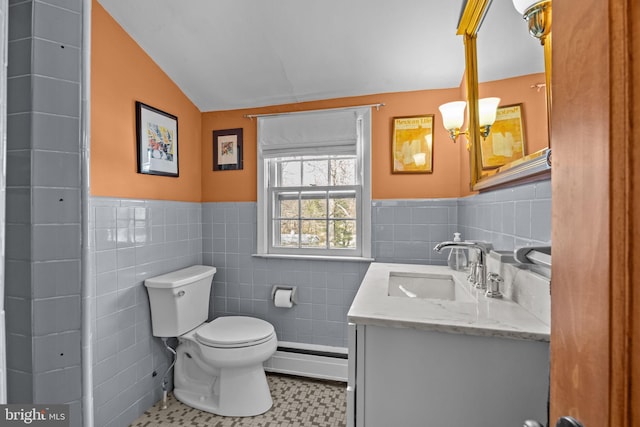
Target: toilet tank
<point x="179" y="300"/>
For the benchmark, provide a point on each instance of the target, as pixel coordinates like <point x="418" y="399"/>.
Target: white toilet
<point x="219" y="363"/>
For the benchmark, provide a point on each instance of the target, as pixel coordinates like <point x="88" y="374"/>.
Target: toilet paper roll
<point x="282" y="298"/>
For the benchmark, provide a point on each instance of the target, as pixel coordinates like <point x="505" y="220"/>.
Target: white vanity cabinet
<point x="432" y="363"/>
<point x="408" y="377"/>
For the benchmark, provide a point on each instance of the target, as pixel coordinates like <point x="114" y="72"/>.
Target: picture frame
<point x="227" y="149"/>
<point x="506" y="141"/>
<point x="156" y="141"/>
<point x="412" y="144"/>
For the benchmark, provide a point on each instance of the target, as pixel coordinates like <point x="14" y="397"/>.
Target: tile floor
<point x="299" y="402"/>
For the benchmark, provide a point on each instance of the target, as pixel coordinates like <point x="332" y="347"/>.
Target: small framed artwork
<point x="412" y="144"/>
<point x="227" y="149"/>
<point x="505" y="142"/>
<point x="157" y="141"/>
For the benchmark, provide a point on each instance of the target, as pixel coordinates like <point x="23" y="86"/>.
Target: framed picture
<point x="505" y="142"/>
<point x="412" y="144"/>
<point x="227" y="149"/>
<point x="157" y="141"/>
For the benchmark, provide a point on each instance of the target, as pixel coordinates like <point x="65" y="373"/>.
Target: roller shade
<point x="309" y="133"/>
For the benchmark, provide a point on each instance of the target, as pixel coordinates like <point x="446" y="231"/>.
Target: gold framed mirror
<point x="517" y="149"/>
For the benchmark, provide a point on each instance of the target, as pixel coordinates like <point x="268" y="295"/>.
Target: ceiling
<point x="231" y="54"/>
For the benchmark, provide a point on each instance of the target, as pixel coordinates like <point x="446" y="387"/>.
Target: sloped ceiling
<point x="231" y="54"/>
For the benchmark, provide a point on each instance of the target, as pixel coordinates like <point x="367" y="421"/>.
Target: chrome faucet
<point x="477" y="275"/>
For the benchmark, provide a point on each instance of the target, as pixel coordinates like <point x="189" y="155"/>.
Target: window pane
<point x="343" y="172"/>
<point x="343" y="207"/>
<point x="342" y="234"/>
<point x="317" y="218"/>
<point x="287" y="206"/>
<point x="285" y="233"/>
<point x="314" y="234"/>
<point x="290" y="175"/>
<point x="314" y="205"/>
<point x="315" y="173"/>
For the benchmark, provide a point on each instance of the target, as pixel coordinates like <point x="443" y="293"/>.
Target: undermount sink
<point x="425" y="286"/>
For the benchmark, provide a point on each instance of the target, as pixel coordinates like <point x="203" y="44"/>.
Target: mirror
<point x="503" y="60"/>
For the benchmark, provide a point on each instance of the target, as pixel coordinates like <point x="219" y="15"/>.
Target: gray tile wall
<point x="43" y="204"/>
<point x="403" y="231"/>
<point x="18" y="216"/>
<point x="136" y="239"/>
<point x="242" y="284"/>
<point x="509" y="218"/>
<point x="131" y="240"/>
<point x="407" y="230"/>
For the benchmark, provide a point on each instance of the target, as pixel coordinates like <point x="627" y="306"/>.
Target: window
<point x="315" y="203"/>
<point x="314" y="183"/>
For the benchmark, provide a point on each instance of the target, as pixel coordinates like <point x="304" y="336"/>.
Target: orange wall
<point x="518" y="90"/>
<point x="122" y="73"/>
<point x="240" y="185"/>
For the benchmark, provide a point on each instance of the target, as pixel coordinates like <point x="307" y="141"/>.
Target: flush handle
<point x="180" y="294"/>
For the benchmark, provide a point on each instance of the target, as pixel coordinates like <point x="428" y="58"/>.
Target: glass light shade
<point x="488" y="108"/>
<point x="453" y="114"/>
<point x="522" y="5"/>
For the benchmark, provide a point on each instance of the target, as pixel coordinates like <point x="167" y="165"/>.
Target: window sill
<point x="315" y="257"/>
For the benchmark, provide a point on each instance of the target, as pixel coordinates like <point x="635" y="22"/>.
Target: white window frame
<point x="275" y="190"/>
<point x="363" y="172"/>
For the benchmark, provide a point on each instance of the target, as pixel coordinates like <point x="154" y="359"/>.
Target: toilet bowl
<point x="219" y="363"/>
<point x="224" y="375"/>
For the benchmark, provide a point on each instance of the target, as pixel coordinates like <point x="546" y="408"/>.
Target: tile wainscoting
<point x="135" y="239"/>
<point x="131" y="240"/>
<point x="243" y="282"/>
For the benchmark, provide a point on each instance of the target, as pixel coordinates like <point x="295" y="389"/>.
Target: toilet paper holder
<point x="293" y="289"/>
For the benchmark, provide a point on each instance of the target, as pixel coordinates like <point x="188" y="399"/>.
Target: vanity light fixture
<point x="488" y="108"/>
<point x="453" y="116"/>
<point x="538" y="15"/>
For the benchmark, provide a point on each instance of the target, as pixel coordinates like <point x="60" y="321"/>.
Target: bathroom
<point x="143" y="226"/>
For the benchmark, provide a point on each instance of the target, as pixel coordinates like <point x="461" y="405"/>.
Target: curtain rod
<point x="377" y="107"/>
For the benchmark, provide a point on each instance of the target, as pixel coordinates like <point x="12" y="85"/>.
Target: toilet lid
<point x="234" y="331"/>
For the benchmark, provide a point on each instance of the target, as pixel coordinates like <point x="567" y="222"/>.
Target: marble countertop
<point x="476" y="316"/>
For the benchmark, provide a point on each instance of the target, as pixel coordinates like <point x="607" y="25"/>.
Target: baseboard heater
<point x="309" y="360"/>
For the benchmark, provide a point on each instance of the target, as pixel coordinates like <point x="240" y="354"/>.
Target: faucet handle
<point x="493" y="288"/>
<point x="471" y="277"/>
<point x="481" y="276"/>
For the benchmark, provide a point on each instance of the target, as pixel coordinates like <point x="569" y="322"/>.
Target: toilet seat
<point x="234" y="332"/>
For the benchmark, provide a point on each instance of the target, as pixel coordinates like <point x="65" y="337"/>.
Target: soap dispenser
<point x="457" y="259"/>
